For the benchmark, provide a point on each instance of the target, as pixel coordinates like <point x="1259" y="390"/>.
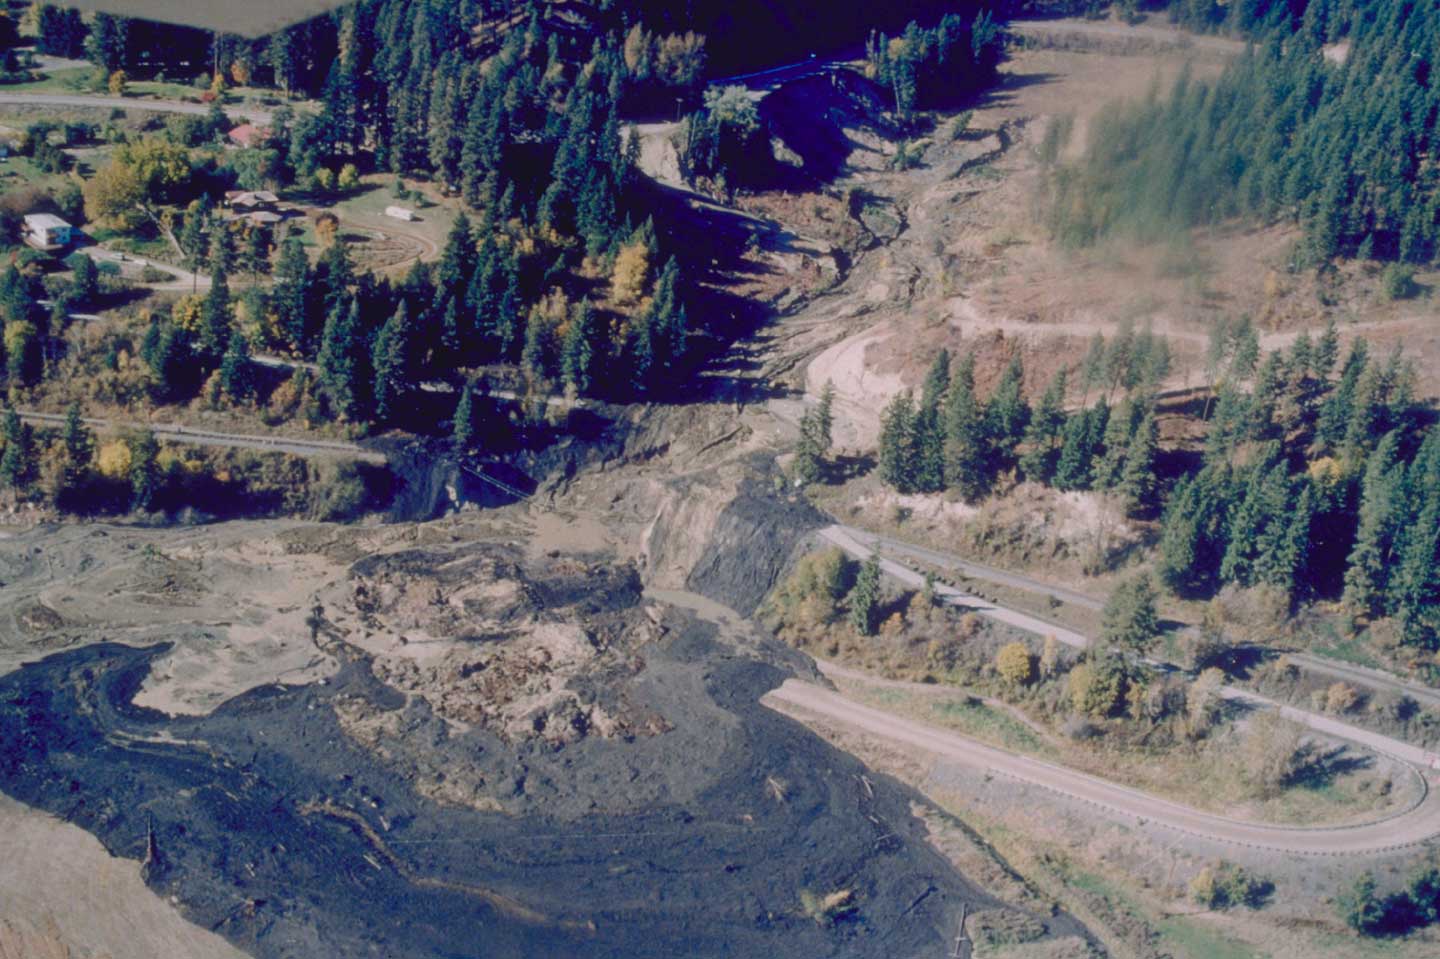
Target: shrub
<point x="339" y="494"/>
<point x="1341" y="698"/>
<point x="1360" y="907"/>
<point x="348" y="179"/>
<point x="1397" y="282"/>
<point x="114" y="459"/>
<point x="1097" y="689"/>
<point x="1015" y="664"/>
<point x="1227" y="885"/>
<point x="1273" y="754"/>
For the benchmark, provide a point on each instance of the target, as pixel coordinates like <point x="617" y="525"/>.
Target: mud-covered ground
<point x="351" y="816"/>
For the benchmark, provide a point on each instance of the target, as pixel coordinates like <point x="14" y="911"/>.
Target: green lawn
<point x="367" y="208"/>
<point x="18" y="171"/>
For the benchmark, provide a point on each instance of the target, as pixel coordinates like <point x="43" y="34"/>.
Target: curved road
<point x="1417" y="825"/>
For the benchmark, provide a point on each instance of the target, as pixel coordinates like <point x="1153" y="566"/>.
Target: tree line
<point x="1319" y="475"/>
<point x="953" y="439"/>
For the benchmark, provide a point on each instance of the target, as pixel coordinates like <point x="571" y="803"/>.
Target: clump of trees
<point x="1283" y="134"/>
<point x="954" y="439"/>
<point x="1416" y="905"/>
<point x="929" y="68"/>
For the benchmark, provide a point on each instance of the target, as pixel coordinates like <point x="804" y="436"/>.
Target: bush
<point x="1228" y="885"/>
<point x="1341" y="698"/>
<point x="340" y="493"/>
<point x="1097" y="689"/>
<point x="153" y="274"/>
<point x="1273" y="754"/>
<point x="1015" y="664"/>
<point x="1397" y="282"/>
<point x="1360" y="907"/>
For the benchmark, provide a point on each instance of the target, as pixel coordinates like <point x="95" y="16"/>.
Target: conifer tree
<point x="291" y="294"/>
<point x="85" y="285"/>
<point x="897" y="443"/>
<point x="79" y="447"/>
<point x="215" y="319"/>
<point x="577" y="350"/>
<point x="17" y="463"/>
<point x="464" y="429"/>
<point x="144" y="471"/>
<point x="236" y="376"/>
<point x="1119" y="428"/>
<point x="1042" y="435"/>
<point x="928" y="475"/>
<point x="967" y="448"/>
<point x="937" y="381"/>
<point x="1129" y="620"/>
<point x="1007" y="414"/>
<point x="1077" y="451"/>
<point x="1137" y="481"/>
<point x="1415" y="586"/>
<point x="342" y="362"/>
<point x="808" y="456"/>
<point x="864" y="597"/>
<point x="391" y="360"/>
<point x="825" y="417"/>
<point x="1369" y="563"/>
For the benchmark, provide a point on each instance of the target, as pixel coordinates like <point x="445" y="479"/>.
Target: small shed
<point x="400" y="213"/>
<point x="248" y="135"/>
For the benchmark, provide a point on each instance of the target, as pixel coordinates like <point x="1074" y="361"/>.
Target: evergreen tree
<point x="1370" y="561"/>
<point x="85" y="284"/>
<point x="825" y="417"/>
<point x="864" y="597"/>
<point x="1119" y="429"/>
<point x="577" y="349"/>
<point x="1137" y="481"/>
<point x="464" y="428"/>
<point x="1044" y="433"/>
<point x="343" y="363"/>
<point x="1007" y="414"/>
<point x="967" y="447"/>
<point x="1077" y="449"/>
<point x="79" y="447"/>
<point x="236" y="376"/>
<point x="192" y="235"/>
<point x="808" y="455"/>
<point x="937" y="381"/>
<point x="292" y="294"/>
<point x="1129" y="620"/>
<point x="215" y="317"/>
<point x="1415" y="586"/>
<point x="897" y="444"/>
<point x="17" y="463"/>
<point x="144" y="471"/>
<point x="928" y="474"/>
<point x="391" y="361"/>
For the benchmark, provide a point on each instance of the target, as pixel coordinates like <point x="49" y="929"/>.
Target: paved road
<point x="1417" y="825"/>
<point x="970" y="569"/>
<point x="1372" y="678"/>
<point x="243" y="111"/>
<point x="859" y="545"/>
<point x="176" y="433"/>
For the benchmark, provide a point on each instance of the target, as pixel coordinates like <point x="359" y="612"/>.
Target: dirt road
<point x="1415" y="826"/>
<point x="234" y="110"/>
<point x="175" y="433"/>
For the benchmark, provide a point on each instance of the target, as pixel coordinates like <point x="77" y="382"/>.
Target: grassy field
<point x="367" y="208"/>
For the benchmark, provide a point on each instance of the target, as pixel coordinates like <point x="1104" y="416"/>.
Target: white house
<point x="400" y="213"/>
<point x="45" y="231"/>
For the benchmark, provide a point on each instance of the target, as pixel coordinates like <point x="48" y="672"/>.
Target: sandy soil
<point x="63" y="891"/>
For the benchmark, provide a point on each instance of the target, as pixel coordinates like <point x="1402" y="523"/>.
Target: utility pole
<point x="963" y="943"/>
